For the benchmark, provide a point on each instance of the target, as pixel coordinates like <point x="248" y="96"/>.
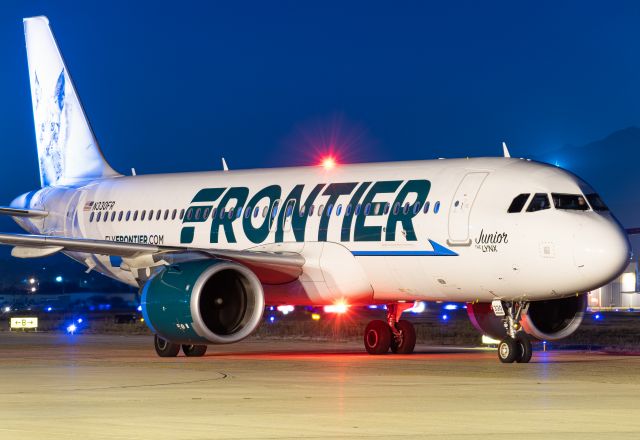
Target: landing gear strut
<point x="516" y="347"/>
<point x="395" y="334"/>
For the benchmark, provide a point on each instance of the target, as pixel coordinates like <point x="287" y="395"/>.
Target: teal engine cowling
<point x="203" y="302"/>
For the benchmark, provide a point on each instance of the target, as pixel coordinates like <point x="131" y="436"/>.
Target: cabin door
<point x="460" y="209"/>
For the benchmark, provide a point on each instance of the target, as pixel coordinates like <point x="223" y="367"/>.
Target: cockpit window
<point x="574" y="202"/>
<point x="539" y="202"/>
<point x="596" y="202"/>
<point x="518" y="203"/>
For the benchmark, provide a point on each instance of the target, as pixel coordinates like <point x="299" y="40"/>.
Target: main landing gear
<point x="165" y="348"/>
<point x="395" y="334"/>
<point x="516" y="347"/>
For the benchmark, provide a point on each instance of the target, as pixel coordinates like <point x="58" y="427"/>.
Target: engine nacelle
<point x="203" y="302"/>
<point x="554" y="319"/>
<point x="545" y="320"/>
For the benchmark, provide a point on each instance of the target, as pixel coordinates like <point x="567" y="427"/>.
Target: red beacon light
<point x="328" y="163"/>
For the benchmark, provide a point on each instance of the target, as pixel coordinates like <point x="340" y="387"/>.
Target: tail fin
<point x="67" y="149"/>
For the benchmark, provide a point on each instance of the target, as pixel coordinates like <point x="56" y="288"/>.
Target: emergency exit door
<point x="461" y="206"/>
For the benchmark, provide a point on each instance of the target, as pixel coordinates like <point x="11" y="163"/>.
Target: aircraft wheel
<point x="508" y="350"/>
<point x="165" y="348"/>
<point x="407" y="340"/>
<point x="194" y="350"/>
<point x="377" y="337"/>
<point x="525" y="349"/>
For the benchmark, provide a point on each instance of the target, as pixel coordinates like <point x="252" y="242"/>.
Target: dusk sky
<point x="173" y="86"/>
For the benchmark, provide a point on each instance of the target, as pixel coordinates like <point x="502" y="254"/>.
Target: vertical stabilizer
<point x="67" y="149"/>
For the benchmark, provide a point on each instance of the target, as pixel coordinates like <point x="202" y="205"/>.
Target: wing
<point x="18" y="212"/>
<point x="270" y="267"/>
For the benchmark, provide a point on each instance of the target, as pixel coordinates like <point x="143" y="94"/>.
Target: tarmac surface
<point x="54" y="386"/>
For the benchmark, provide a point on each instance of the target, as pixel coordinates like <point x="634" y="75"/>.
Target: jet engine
<point x="545" y="320"/>
<point x="203" y="302"/>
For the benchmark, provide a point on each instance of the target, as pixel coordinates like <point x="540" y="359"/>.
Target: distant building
<point x="621" y="294"/>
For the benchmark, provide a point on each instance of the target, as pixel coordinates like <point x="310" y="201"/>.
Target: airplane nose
<point x="601" y="251"/>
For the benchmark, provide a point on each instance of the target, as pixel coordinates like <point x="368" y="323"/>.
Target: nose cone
<point x="601" y="250"/>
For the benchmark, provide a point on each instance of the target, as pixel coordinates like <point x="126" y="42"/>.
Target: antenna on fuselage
<point x="505" y="150"/>
<point x="224" y="165"/>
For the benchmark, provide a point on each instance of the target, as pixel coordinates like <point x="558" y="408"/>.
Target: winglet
<point x="224" y="165"/>
<point x="505" y="150"/>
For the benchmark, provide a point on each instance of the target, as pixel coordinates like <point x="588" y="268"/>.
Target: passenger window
<point x="91" y="216"/>
<point x="311" y="209"/>
<point x="348" y="210"/>
<point x="239" y="212"/>
<point x="436" y="207"/>
<point x="539" y="202"/>
<point x="338" y="210"/>
<point x="189" y="214"/>
<point x="329" y="209"/>
<point x="181" y="214"/>
<point x="256" y="211"/>
<point x="166" y="214"/>
<point x="135" y="215"/>
<point x="143" y="214"/>
<point x="113" y="216"/>
<point x="159" y="213"/>
<point x="302" y="211"/>
<point x="572" y="202"/>
<point x="320" y="210"/>
<point x="405" y="210"/>
<point x="596" y="202"/>
<point x="425" y="209"/>
<point x="120" y="216"/>
<point x="396" y="208"/>
<point x="98" y="216"/>
<point x="128" y="216"/>
<point x="230" y="216"/>
<point x="358" y="207"/>
<point x="151" y="215"/>
<point x="205" y="213"/>
<point x="106" y="217"/>
<point x="367" y="209"/>
<point x="387" y="207"/>
<point x="173" y="214"/>
<point x="247" y="212"/>
<point x="416" y="208"/>
<point x="264" y="211"/>
<point x="518" y="203"/>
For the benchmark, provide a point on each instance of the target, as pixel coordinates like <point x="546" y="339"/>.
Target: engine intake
<point x="545" y="320"/>
<point x="203" y="302"/>
<point x="554" y="319"/>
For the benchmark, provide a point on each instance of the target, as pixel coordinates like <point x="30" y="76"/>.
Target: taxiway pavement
<point x="55" y="386"/>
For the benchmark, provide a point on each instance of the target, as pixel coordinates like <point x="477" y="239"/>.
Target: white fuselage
<point x="464" y="247"/>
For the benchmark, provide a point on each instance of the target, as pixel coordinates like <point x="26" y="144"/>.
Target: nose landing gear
<point x="516" y="347"/>
<point x="397" y="335"/>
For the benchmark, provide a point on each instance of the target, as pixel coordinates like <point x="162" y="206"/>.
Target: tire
<point x="525" y="349"/>
<point x="165" y="348"/>
<point x="377" y="337"/>
<point x="194" y="350"/>
<point x="408" y="342"/>
<point x="508" y="350"/>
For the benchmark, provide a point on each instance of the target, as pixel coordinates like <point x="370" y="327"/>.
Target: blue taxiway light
<point x="444" y="317"/>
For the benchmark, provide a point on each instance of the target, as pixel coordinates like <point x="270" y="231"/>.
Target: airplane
<point x="519" y="241"/>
